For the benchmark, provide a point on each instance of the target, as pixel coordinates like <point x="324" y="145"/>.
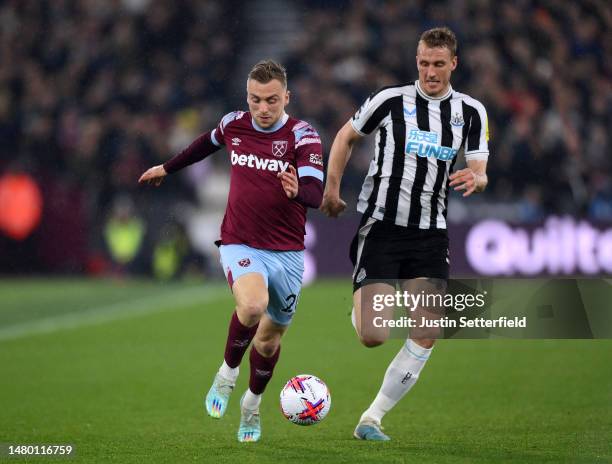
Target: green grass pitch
<point x="120" y="369"/>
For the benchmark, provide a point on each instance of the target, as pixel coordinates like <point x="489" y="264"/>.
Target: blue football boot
<point x="370" y="430"/>
<point x="218" y="396"/>
<point x="250" y="425"/>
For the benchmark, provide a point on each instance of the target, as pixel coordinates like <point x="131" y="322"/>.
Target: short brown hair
<point x="267" y="70"/>
<point x="440" y="37"/>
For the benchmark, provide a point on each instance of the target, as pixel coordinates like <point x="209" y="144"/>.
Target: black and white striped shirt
<point x="417" y="141"/>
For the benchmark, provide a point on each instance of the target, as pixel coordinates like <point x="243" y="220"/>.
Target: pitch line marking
<point x="96" y="315"/>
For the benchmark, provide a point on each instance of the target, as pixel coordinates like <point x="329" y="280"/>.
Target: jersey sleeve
<point x="205" y="145"/>
<point x="218" y="133"/>
<point x="369" y="116"/>
<point x="309" y="152"/>
<point x="477" y="144"/>
<point x="199" y="149"/>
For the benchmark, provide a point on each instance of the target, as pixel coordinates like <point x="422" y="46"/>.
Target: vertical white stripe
<point x="403" y="206"/>
<point x="435" y="125"/>
<point x="387" y="167"/>
<point x="457" y="109"/>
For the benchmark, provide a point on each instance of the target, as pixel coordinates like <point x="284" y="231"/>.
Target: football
<point x="305" y="400"/>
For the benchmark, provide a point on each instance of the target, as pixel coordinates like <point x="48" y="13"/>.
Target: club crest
<point x="246" y="262"/>
<point x="279" y="148"/>
<point x="457" y="120"/>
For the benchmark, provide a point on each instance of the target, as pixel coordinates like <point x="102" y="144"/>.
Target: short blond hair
<point x="440" y="37"/>
<point x="267" y="70"/>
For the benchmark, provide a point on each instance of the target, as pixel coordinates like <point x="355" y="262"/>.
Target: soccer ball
<point x="305" y="400"/>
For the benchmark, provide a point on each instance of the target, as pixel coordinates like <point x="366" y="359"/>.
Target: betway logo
<point x="263" y="164"/>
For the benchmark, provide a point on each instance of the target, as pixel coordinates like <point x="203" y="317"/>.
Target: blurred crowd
<point x="543" y="70"/>
<point x="93" y="92"/>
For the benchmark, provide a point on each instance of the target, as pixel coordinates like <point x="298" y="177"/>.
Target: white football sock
<point x="251" y="401"/>
<point x="230" y="373"/>
<point x="401" y="375"/>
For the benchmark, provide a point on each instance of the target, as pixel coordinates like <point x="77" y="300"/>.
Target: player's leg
<point x="247" y="277"/>
<point x="370" y="258"/>
<point x="285" y="281"/>
<point x="263" y="358"/>
<point x="367" y="317"/>
<point x="405" y="369"/>
<point x="425" y="253"/>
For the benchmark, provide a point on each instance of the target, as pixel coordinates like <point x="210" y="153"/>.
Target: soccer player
<point x="276" y="173"/>
<point x="402" y="237"/>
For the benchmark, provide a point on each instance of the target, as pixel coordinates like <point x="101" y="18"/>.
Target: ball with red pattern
<point x="305" y="400"/>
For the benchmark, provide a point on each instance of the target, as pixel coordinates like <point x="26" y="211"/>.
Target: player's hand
<point x="464" y="179"/>
<point x="153" y="176"/>
<point x="289" y="182"/>
<point x="332" y="205"/>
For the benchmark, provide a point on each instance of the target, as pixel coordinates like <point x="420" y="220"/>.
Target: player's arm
<point x="472" y="179"/>
<point x="200" y="148"/>
<point x="307" y="190"/>
<point x="205" y="145"/>
<point x="339" y="155"/>
<point x="305" y="185"/>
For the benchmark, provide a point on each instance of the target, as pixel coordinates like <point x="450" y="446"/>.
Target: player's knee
<point x="251" y="311"/>
<point x="267" y="347"/>
<point x="371" y="341"/>
<point x="426" y="343"/>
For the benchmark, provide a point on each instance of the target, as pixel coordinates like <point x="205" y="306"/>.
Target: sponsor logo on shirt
<point x="316" y="158"/>
<point x="262" y="164"/>
<point x="279" y="148"/>
<point x="425" y="144"/>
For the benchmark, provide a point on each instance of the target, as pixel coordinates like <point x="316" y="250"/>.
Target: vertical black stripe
<point x="447" y="141"/>
<point x="467" y="114"/>
<point x="450" y="171"/>
<point x="473" y="121"/>
<point x="414" y="217"/>
<point x="374" y="120"/>
<point x="399" y="158"/>
<point x="381" y="156"/>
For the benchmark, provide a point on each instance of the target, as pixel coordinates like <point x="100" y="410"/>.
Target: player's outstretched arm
<point x="199" y="149"/>
<point x="153" y="176"/>
<point x="472" y="179"/>
<point x="339" y="155"/>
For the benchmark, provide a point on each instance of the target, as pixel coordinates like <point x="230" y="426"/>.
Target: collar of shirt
<point x="277" y="125"/>
<point x="427" y="97"/>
